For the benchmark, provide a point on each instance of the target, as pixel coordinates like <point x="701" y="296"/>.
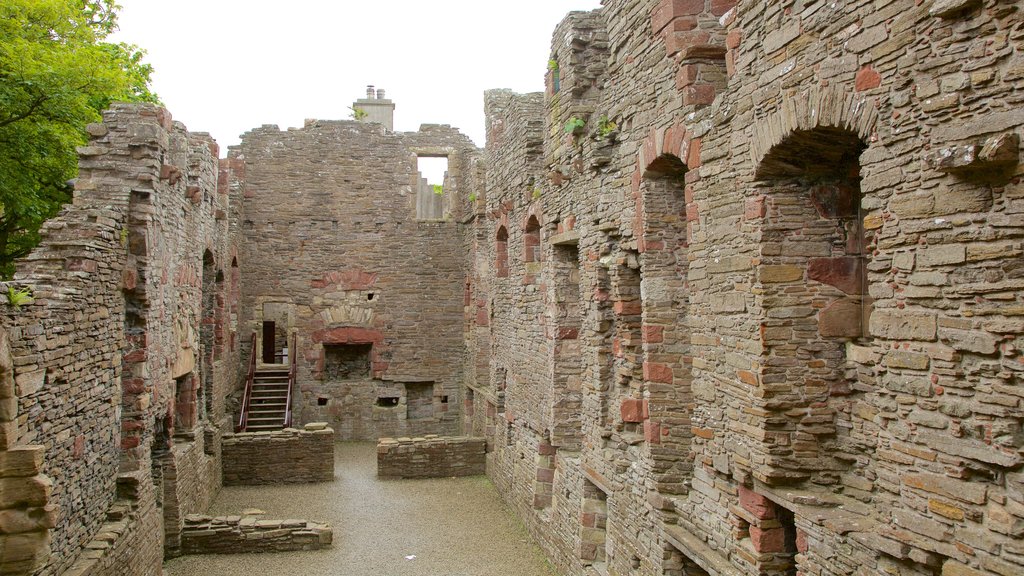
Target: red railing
<point x="243" y="420"/>
<point x="293" y="353"/>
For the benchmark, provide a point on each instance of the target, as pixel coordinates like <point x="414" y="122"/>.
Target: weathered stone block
<point x="21" y="461"/>
<point x="26" y="491"/>
<point x="631" y="410"/>
<point x="843" y="318"/>
<point x="901" y="324"/>
<point x="844" y="272"/>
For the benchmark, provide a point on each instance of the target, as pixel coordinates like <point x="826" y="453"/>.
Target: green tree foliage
<point x="56" y="75"/>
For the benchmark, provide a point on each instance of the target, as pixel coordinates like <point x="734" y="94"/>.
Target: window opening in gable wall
<point x="431" y="187"/>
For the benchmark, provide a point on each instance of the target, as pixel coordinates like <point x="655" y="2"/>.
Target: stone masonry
<point x="740" y="293"/>
<point x="248" y="534"/>
<point x="283" y="457"/>
<point x="336" y="253"/>
<point x="750" y="281"/>
<point x="430" y="457"/>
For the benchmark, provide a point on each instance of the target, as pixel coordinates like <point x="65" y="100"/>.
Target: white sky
<point x="226" y="66"/>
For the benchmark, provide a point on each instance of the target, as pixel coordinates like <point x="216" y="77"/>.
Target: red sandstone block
<point x="705" y="433"/>
<point x="134" y="357"/>
<point x="692" y="213"/>
<point x="754" y="208"/>
<point x="720" y="7"/>
<point x="756" y="504"/>
<point x="588" y="519"/>
<point x="631" y="410"/>
<point x="627" y="307"/>
<point x="867" y="79"/>
<point x="747" y="377"/>
<point x="348" y="335"/>
<point x="801" y="541"/>
<point x="686" y="75"/>
<point x="698" y="95"/>
<point x="652" y="334"/>
<point x="843" y="272"/>
<point x="131" y="425"/>
<point x="482" y="319"/>
<point x="545" y="449"/>
<point x="732" y="40"/>
<point x="129" y="442"/>
<point x="657" y="372"/>
<point x="692" y="43"/>
<point x="693" y="155"/>
<point x="545" y="475"/>
<point x="133" y="385"/>
<point x="652" y="432"/>
<point x="771" y="540"/>
<point x="669" y="10"/>
<point x="567" y="334"/>
<point x="675" y="138"/>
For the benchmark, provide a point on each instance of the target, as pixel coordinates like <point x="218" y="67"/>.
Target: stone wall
<point x="102" y="379"/>
<point x="191" y="479"/>
<point x="286" y="456"/>
<point x="130" y="541"/>
<point x="430" y="457"/>
<point x="26" y="513"/>
<point x="334" y="252"/>
<point x="248" y="534"/>
<point x="749" y="276"/>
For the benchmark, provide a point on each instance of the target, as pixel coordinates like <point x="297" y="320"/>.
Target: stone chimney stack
<point x="377" y="107"/>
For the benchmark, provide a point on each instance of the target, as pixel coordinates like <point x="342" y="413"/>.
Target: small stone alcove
<point x="347" y="361"/>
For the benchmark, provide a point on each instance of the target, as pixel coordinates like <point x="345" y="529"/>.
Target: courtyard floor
<point x="449" y="526"/>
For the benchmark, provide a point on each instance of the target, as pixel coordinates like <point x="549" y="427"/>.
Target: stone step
<point x="257" y="427"/>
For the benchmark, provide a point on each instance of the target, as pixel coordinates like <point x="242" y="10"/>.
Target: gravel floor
<point x="453" y="527"/>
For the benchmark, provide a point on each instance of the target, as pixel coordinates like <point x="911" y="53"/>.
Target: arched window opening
<point x="531" y="241"/>
<point x="501" y="253"/>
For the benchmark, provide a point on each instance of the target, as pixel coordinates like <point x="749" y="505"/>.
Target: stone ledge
<point x="699" y="552"/>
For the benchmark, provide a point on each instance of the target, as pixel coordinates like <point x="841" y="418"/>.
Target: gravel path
<point x="453" y="526"/>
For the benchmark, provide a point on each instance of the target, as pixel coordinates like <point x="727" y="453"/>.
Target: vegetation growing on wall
<point x="56" y="75"/>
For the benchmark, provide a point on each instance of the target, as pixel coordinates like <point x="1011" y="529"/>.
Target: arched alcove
<point x="813" y="292"/>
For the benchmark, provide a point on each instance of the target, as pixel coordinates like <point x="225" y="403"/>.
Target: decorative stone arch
<point x="832" y="107"/>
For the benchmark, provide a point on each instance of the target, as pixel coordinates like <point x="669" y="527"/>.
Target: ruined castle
<point x="741" y="293"/>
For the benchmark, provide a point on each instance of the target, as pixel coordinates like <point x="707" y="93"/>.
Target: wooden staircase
<point x="268" y="401"/>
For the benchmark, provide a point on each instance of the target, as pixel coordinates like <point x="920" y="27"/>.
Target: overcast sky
<point x="226" y="66"/>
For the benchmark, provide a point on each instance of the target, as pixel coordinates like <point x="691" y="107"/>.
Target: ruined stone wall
<point x="191" y="480"/>
<point x="286" y="456"/>
<point x="117" y="316"/>
<point x="247" y="535"/>
<point x="797" y="232"/>
<point x="130" y="541"/>
<point x="430" y="457"/>
<point x="333" y="250"/>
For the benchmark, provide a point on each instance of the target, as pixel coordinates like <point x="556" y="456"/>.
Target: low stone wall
<point x="281" y="457"/>
<point x="431" y="457"/>
<point x="238" y="534"/>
